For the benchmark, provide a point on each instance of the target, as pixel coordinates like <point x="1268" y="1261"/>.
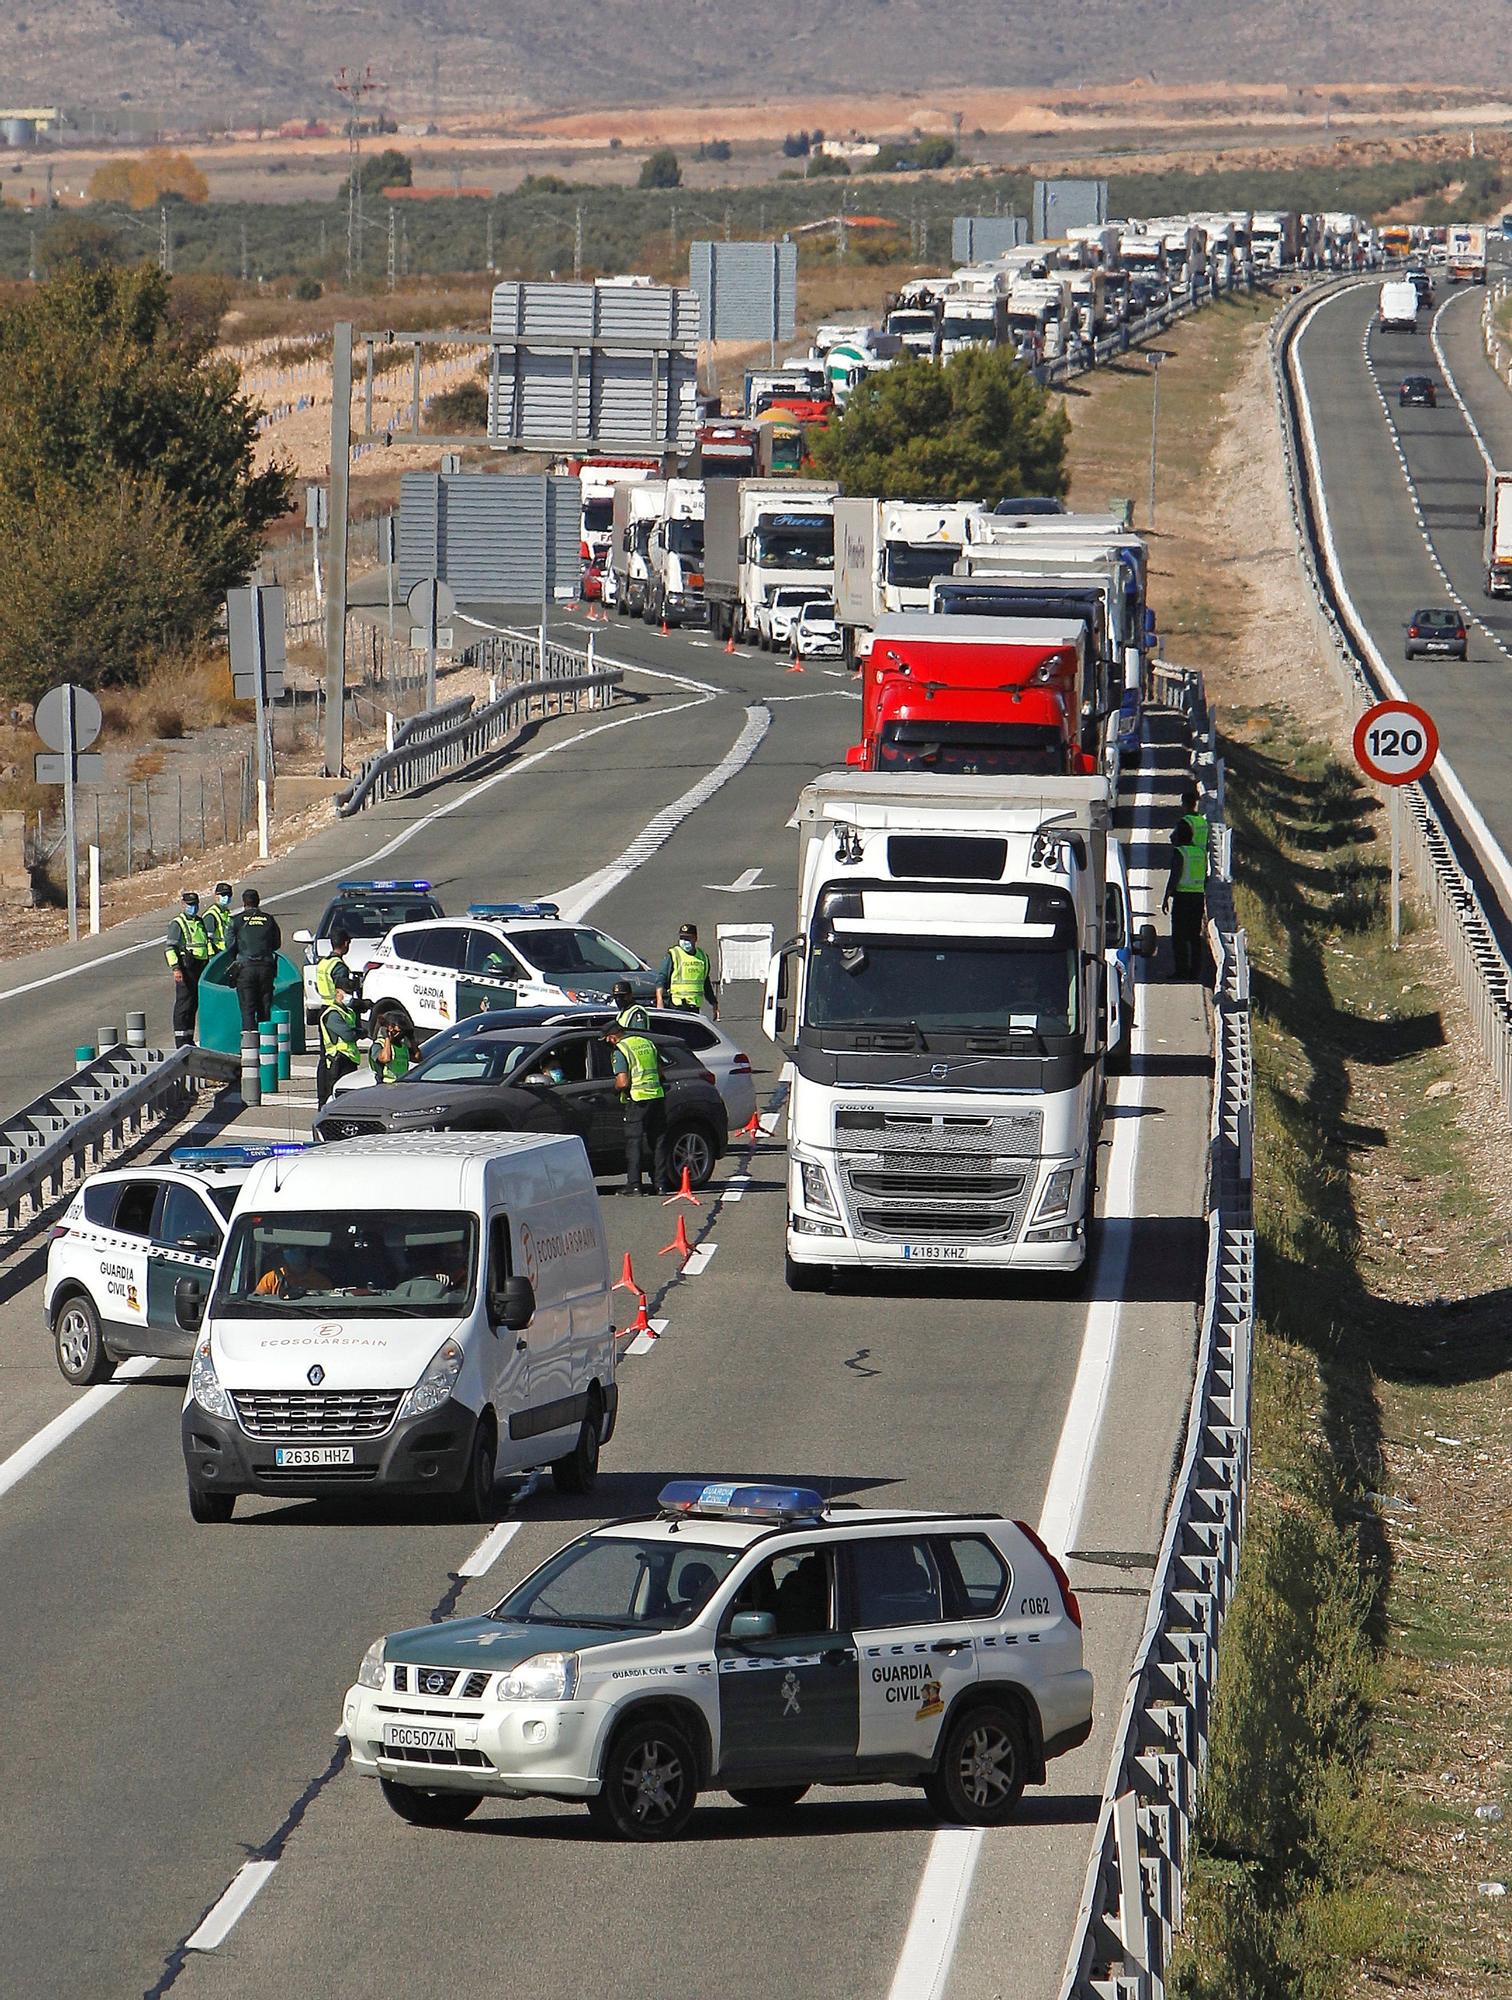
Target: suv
<point x="748" y="1639"/>
<point x="367" y="911"/>
<point x="1418" y="392"/>
<point x="776" y="615"/>
<point x="816" y="634"/>
<point x="428" y="975"/>
<point x="1435" y="630"/>
<point x="545" y="1079"/>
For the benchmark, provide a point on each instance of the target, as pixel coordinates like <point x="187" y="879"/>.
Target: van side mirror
<point x="753" y="1625"/>
<point x="514" y="1306"/>
<point x="189" y="1304"/>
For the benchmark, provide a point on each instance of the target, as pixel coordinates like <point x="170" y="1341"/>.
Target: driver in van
<point x="292" y="1275"/>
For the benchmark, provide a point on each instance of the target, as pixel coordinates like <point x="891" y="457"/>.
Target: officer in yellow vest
<point x="1186" y="888"/>
<point x="686" y="978"/>
<point x="638" y="1079"/>
<point x="217" y="918"/>
<point x="187" y="951"/>
<point x="629" y="1013"/>
<point x="333" y="975"/>
<point x="338" y="1045"/>
<point x="391" y="1052"/>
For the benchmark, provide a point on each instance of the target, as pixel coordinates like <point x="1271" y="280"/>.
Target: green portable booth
<point x="220" y="1008"/>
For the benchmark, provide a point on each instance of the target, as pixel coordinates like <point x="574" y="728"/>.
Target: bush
<point x="308" y="289"/>
<point x="390" y="168"/>
<point x="823" y="165"/>
<point x="797" y="145"/>
<point x="927" y="153"/>
<point x="715" y="149"/>
<point x="143" y="183"/>
<point x="463" y="409"/>
<point x="660" y="170"/>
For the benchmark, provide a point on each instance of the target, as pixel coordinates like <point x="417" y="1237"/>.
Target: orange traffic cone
<point x="684" y="1192"/>
<point x="666" y="630"/>
<point x="750" y="1130"/>
<point x="625" y="1282"/>
<point x="797" y="666"/>
<point x="679" y="1242"/>
<point x="730" y="642"/>
<point x="642" y="1322"/>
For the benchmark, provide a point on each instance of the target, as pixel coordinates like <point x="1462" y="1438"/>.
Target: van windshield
<point x="318" y="1263"/>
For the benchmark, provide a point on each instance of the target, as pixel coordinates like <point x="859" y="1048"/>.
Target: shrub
<point x="660" y="169"/>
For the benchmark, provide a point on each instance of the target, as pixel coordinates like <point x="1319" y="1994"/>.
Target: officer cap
<point x="223" y="888"/>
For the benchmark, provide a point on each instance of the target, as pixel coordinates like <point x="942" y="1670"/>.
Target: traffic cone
<point x="684" y="1192"/>
<point x="625" y="1282"/>
<point x="642" y="1321"/>
<point x="797" y="666"/>
<point x="730" y="641"/>
<point x="679" y="1242"/>
<point x="750" y="1130"/>
<point x="666" y="630"/>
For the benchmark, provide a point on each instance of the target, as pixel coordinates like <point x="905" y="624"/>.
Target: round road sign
<point x="431" y="589"/>
<point x="1395" y="742"/>
<point x="50" y="718"/>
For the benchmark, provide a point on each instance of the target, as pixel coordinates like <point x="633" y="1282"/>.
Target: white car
<point x="129" y="1234"/>
<point x="816" y="634"/>
<point x="747" y="1639"/>
<point x="431" y="975"/>
<point x="726" y="1062"/>
<point x="367" y="911"/>
<point x="775" y="614"/>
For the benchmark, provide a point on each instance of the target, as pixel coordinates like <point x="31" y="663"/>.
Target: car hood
<point x="642" y="984"/>
<point x="494" y="1644"/>
<point x="355" y="1353"/>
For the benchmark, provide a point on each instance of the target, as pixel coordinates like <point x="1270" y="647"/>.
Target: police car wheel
<point x="577" y="1472"/>
<point x="78" y="1345"/>
<point x="768" y="1798"/>
<point x="430" y="1808"/>
<point x="982" y="1767"/>
<point x="209" y="1508"/>
<point x="650" y="1781"/>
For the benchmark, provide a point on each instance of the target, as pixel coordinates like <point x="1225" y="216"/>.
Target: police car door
<point x="787" y="1700"/>
<point x="490" y="975"/>
<point x="186" y="1240"/>
<point x="425" y="972"/>
<point x="120" y="1239"/>
<point x="915" y="1657"/>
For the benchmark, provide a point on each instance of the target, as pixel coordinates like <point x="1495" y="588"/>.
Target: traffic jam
<point x="957" y="977"/>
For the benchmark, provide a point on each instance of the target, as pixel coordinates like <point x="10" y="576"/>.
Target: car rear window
<point x="1449" y="619"/>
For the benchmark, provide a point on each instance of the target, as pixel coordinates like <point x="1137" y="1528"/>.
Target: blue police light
<point x="733" y="1502"/>
<point x="230" y="1156"/>
<point x="363" y="888"/>
<point x="514" y="909"/>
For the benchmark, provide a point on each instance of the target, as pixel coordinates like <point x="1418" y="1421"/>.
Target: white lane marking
<point x="699" y="1260"/>
<point x="930" y="1942"/>
<point x="769" y="1121"/>
<point x="247" y="1883"/>
<point x="488" y="1551"/>
<point x="644" y="1342"/>
<point x="734" y="1188"/>
<point x="1492" y="855"/>
<point x="575" y="902"/>
<point x="27" y="1457"/>
<point x="747" y="880"/>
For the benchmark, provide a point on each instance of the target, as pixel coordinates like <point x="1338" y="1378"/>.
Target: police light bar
<point x="514" y="909"/>
<point x="230" y="1156"/>
<point x="363" y="888"/>
<point x="748" y="1503"/>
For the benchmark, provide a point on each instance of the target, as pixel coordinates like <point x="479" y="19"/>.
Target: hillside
<point x="178" y="62"/>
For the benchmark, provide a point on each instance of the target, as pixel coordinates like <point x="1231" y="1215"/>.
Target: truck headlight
<point x="1055" y="1198"/>
<point x="436" y="1384"/>
<point x="205" y="1385"/>
<point x="816" y="1189"/>
<point x="370" y="1673"/>
<point x="547" y="1677"/>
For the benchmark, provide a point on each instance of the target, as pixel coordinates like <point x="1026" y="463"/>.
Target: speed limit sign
<point x="1395" y="743"/>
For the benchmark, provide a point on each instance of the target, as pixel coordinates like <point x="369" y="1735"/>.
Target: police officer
<point x="218" y="918"/>
<point x="638" y="1079"/>
<point x="332" y="973"/>
<point x="392" y="1050"/>
<point x="1186" y="888"/>
<point x="187" y="951"/>
<point x="254" y="942"/>
<point x="685" y="979"/>
<point x="629" y="1013"/>
<point x="338" y="1044"/>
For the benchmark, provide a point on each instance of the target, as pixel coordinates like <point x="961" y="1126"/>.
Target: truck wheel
<point x="650" y="1781"/>
<point x="78" y="1344"/>
<point x="807" y="1277"/>
<point x="577" y="1472"/>
<point x="430" y="1808"/>
<point x="982" y="1767"/>
<point x="476" y="1499"/>
<point x="209" y="1508"/>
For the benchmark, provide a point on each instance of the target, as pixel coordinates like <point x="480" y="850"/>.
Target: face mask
<point x="224" y="901"/>
<point x="191" y="909"/>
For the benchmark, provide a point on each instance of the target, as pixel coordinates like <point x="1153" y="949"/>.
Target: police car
<point x="124" y="1242"/>
<point x="748" y="1639"/>
<point x="429" y="975"/>
<point x="367" y="911"/>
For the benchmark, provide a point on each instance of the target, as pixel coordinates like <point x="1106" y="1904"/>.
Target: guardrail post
<point x="283" y="1043"/>
<point x="267" y="1058"/>
<point x="83" y="1056"/>
<point x="107" y="1038"/>
<point x="1133" y="1921"/>
<point x="136" y="1031"/>
<point x="251" y="1071"/>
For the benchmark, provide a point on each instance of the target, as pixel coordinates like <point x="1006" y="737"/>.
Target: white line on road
<point x="27" y="1457"/>
<point x="699" y="1260"/>
<point x="734" y="1188"/>
<point x="488" y="1551"/>
<point x="937" y="1912"/>
<point x="644" y="1342"/>
<point x="248" y="1881"/>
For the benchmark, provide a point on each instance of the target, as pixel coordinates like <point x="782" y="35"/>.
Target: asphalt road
<point x="173" y="1690"/>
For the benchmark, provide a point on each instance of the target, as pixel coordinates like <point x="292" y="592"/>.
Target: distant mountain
<point x="178" y="61"/>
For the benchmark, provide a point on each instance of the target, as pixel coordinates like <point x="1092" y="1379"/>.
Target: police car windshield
<point x="318" y="1263"/>
<point x="485" y="1060"/>
<point x="621" y="1582"/>
<point x="574" y="948"/>
<point x="224" y="1199"/>
<point x="376" y="916"/>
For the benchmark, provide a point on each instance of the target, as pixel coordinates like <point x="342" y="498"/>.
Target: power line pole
<point x="244" y="253"/>
<point x="489" y="256"/>
<point x="354" y="87"/>
<point x="165" y="242"/>
<point x="336" y="548"/>
<point x="577" y="248"/>
<point x="393" y="249"/>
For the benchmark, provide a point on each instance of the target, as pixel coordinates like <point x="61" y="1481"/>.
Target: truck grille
<point x="912" y="1225"/>
<point x="910" y="1176"/>
<point x="315" y="1413"/>
<point x="889" y="1183"/>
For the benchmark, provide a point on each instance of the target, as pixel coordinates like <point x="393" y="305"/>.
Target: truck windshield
<point x="685" y="538"/>
<point x="321" y="1263"/>
<point x="598" y="515"/>
<point x="918" y="563"/>
<point x="905" y="323"/>
<point x="973" y="749"/>
<point x="963" y="326"/>
<point x="940" y="984"/>
<point x="796" y="541"/>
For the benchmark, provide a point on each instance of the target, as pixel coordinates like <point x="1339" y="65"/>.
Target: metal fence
<point x="1131" y="1904"/>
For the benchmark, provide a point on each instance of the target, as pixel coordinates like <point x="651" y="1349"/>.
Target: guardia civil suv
<point x="747" y="1639"/>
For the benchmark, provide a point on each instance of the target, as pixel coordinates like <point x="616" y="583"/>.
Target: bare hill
<point x="180" y="61"/>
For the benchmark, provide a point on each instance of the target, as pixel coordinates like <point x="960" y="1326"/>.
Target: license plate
<point x="313" y="1454"/>
<point x="417" y="1736"/>
<point x="935" y="1253"/>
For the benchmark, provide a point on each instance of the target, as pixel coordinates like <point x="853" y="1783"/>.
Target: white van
<point x="405" y="1315"/>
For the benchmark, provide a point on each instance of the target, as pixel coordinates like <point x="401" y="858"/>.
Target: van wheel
<point x="209" y="1508"/>
<point x="687" y="1146"/>
<point x="982" y="1767"/>
<point x="807" y="1277"/>
<point x="78" y="1344"/>
<point x="650" y="1781"/>
<point x="477" y="1497"/>
<point x="430" y="1808"/>
<point x="577" y="1472"/>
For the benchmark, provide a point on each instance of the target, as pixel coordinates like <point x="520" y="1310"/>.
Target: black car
<point x="1435" y="630"/>
<point x="1418" y="391"/>
<point x="541" y="1079"/>
<point x="1424" y="287"/>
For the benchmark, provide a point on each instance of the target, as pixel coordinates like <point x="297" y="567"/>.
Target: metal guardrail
<point x="431" y="721"/>
<point x="104" y="1106"/>
<point x="1131" y="1905"/>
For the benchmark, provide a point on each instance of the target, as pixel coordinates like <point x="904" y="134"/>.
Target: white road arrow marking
<point x="748" y="879"/>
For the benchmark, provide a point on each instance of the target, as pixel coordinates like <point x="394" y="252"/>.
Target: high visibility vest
<point x="646" y="1084"/>
<point x="634" y="1016"/>
<point x="338" y="1033"/>
<point x="186" y="939"/>
<point x="325" y="976"/>
<point x="396" y="1066"/>
<point x="690" y="975"/>
<point x="217" y="922"/>
<point x="1194" y="853"/>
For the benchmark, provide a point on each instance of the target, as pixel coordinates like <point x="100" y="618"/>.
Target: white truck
<point x="1498" y="543"/>
<point x="762" y="536"/>
<point x="1275" y="238"/>
<point x="1466" y="245"/>
<point x="1089" y="295"/>
<point x="975" y="313"/>
<point x="1042" y="314"/>
<point x="637" y="509"/>
<point x="1397" y="308"/>
<point x="674" y="555"/>
<point x="888" y="554"/>
<point x="849" y="362"/>
<point x="599" y="477"/>
<point x="945" y="1002"/>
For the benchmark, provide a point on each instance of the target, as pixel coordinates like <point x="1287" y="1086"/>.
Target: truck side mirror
<point x="856" y="755"/>
<point x="189" y="1304"/>
<point x="776" y="1007"/>
<point x="514" y="1306"/>
<point x="1146" y="943"/>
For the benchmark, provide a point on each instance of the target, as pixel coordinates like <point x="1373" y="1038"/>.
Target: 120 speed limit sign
<point x="1395" y="743"/>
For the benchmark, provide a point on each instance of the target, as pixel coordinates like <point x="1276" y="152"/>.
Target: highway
<point x="174" y="1690"/>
